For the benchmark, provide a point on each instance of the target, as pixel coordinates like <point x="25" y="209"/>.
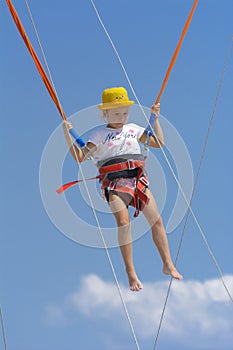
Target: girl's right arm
<point x="79" y="154"/>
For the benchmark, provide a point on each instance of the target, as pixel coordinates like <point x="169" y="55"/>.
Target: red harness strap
<point x="127" y="165"/>
<point x="72" y="183"/>
<point x="139" y="198"/>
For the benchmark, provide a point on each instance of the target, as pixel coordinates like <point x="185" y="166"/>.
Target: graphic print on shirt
<point x="120" y="139"/>
<point x="111" y="142"/>
<point x="123" y="135"/>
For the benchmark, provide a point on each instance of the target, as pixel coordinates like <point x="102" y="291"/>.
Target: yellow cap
<point x="115" y="98"/>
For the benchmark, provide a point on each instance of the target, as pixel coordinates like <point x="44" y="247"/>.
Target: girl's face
<point x="117" y="117"/>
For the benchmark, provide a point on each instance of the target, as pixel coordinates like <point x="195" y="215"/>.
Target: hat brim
<point x="112" y="105"/>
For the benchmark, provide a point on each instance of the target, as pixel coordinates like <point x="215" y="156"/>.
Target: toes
<point x="133" y="288"/>
<point x="179" y="277"/>
<point x="175" y="274"/>
<point x="136" y="287"/>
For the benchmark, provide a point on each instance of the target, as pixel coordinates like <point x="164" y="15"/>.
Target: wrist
<point x="77" y="138"/>
<point x="150" y="127"/>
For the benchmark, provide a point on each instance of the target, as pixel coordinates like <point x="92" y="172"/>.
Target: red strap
<point x="69" y="184"/>
<point x="130" y="164"/>
<point x="127" y="165"/>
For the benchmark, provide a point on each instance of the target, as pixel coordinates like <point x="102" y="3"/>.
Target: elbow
<point x="160" y="144"/>
<point x="157" y="142"/>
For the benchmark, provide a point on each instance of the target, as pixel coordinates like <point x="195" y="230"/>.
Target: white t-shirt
<point x="114" y="142"/>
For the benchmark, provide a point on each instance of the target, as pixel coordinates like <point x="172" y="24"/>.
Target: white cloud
<point x="197" y="312"/>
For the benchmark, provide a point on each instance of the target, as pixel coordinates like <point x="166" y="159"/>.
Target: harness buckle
<point x="111" y="186"/>
<point x="144" y="181"/>
<point x="131" y="164"/>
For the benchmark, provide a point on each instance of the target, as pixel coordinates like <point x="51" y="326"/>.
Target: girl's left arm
<point x="79" y="154"/>
<point x="158" y="141"/>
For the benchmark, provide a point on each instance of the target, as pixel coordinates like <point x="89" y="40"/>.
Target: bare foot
<point x="134" y="284"/>
<point x="172" y="271"/>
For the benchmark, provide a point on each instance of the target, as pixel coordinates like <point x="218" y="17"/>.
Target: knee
<point x="123" y="222"/>
<point x="123" y="219"/>
<point x="158" y="223"/>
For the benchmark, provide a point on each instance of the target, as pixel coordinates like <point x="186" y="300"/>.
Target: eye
<point x="116" y="98"/>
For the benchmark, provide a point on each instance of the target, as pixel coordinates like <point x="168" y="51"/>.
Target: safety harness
<point x="138" y="196"/>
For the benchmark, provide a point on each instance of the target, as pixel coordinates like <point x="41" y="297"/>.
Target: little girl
<point x="121" y="165"/>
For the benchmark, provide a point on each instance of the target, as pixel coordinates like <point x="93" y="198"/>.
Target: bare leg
<point x="121" y="214"/>
<point x="159" y="237"/>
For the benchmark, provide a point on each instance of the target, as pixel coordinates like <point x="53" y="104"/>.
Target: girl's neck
<point x="115" y="126"/>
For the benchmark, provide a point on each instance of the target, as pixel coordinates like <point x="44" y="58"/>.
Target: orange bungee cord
<point x="35" y="59"/>
<point x="176" y="51"/>
<point x="50" y="88"/>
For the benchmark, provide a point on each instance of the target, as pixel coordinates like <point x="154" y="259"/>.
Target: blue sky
<point x="58" y="294"/>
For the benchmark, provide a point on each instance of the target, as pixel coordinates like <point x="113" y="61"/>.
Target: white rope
<point x="89" y="196"/>
<point x="119" y="59"/>
<point x="3" y="329"/>
<point x="194" y="187"/>
<point x="163" y="152"/>
<point x="42" y="52"/>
